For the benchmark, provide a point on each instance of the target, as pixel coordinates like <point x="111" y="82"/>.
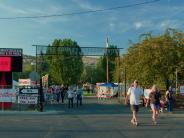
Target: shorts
<point x="134" y="108"/>
<point x="155" y="106"/>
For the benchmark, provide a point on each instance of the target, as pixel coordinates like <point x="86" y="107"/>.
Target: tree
<point x="89" y="74"/>
<point x="65" y="61"/>
<point x="154" y="59"/>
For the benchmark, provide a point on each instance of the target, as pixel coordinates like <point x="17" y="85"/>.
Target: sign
<point x="5" y="80"/>
<point x="45" y="79"/>
<point x="34" y="76"/>
<point x="10" y="52"/>
<point x="182" y="89"/>
<point x="8" y="95"/>
<point x="28" y="99"/>
<point x="11" y="59"/>
<point x="5" y="64"/>
<point x="146" y="93"/>
<point x="24" y="82"/>
<point x="30" y="91"/>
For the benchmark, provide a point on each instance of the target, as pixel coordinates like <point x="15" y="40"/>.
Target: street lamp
<point x="41" y="88"/>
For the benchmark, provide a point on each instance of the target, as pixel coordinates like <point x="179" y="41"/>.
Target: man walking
<point x="134" y="93"/>
<point x="70" y="97"/>
<point x="79" y="95"/>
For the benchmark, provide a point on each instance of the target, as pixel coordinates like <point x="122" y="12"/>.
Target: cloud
<point x="11" y="10"/>
<point x="138" y="25"/>
<point x="86" y="5"/>
<point x="171" y="23"/>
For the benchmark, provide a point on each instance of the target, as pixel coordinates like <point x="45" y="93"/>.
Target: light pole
<point x="176" y="73"/>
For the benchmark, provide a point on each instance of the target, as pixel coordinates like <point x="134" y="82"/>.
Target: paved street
<point x="95" y="119"/>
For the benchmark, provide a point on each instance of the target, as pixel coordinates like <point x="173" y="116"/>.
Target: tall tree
<point x="65" y="61"/>
<point x="154" y="59"/>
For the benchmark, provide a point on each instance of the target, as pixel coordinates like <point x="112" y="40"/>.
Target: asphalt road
<point x="95" y="119"/>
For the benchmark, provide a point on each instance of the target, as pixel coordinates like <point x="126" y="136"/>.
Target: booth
<point x="106" y="90"/>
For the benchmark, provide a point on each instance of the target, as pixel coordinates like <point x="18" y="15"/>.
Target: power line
<point x="80" y="12"/>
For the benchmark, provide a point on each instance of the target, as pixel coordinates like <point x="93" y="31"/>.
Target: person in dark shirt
<point x="154" y="100"/>
<point x="169" y="99"/>
<point x="62" y="94"/>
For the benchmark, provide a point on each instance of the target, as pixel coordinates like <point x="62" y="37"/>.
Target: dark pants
<point x="170" y="105"/>
<point x="62" y="97"/>
<point x="70" y="102"/>
<point x="79" y="100"/>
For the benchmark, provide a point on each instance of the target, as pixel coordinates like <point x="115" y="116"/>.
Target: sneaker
<point x="132" y="121"/>
<point x="136" y="123"/>
<point x="154" y="122"/>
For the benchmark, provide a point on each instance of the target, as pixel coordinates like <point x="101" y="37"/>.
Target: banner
<point x="28" y="91"/>
<point x="24" y="82"/>
<point x="28" y="99"/>
<point x="8" y="95"/>
<point x="182" y="89"/>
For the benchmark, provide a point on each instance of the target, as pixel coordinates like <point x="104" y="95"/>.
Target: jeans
<point x="170" y="104"/>
<point x="79" y="99"/>
<point x="70" y="102"/>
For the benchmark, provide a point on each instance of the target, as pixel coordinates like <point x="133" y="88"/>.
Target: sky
<point x="120" y="26"/>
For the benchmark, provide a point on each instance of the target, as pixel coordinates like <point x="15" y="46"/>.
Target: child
<point x="162" y="105"/>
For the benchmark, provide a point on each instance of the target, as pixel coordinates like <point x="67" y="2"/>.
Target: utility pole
<point x="176" y="80"/>
<point x="107" y="60"/>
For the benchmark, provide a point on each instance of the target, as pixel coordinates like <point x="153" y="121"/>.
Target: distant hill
<point x="27" y="59"/>
<point x="88" y="61"/>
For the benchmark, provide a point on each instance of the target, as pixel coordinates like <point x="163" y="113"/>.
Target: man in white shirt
<point x="70" y="97"/>
<point x="134" y="93"/>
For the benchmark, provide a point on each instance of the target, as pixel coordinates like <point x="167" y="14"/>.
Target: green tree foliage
<point x="154" y="59"/>
<point x="64" y="61"/>
<point x="89" y="75"/>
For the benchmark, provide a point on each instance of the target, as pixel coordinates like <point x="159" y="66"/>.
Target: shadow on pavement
<point x="92" y="106"/>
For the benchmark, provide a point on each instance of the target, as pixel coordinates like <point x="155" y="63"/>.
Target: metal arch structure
<point x="42" y="50"/>
<point x="74" y="51"/>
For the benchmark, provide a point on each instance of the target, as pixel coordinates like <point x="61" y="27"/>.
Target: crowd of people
<point x="74" y="94"/>
<point x="154" y="101"/>
<point x="58" y="94"/>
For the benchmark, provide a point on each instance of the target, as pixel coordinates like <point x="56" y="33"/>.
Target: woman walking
<point x="154" y="100"/>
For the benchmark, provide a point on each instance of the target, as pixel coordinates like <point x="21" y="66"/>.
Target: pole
<point x="176" y="80"/>
<point x="107" y="60"/>
<point x="107" y="67"/>
<point x="119" y="90"/>
<point x="41" y="87"/>
<point x="125" y="81"/>
<point x="36" y="60"/>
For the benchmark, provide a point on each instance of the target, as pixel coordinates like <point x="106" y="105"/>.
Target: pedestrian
<point x="62" y="94"/>
<point x="70" y="97"/>
<point x="162" y="105"/>
<point x="79" y="95"/>
<point x="169" y="99"/>
<point x="154" y="100"/>
<point x="57" y="94"/>
<point x="134" y="93"/>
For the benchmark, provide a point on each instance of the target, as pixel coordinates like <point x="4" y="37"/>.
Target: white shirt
<point x="70" y="94"/>
<point x="135" y="94"/>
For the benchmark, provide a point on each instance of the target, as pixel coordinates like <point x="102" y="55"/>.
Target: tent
<point x="108" y="85"/>
<point x="106" y="90"/>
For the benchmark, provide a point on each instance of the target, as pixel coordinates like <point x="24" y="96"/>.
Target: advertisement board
<point x="182" y="89"/>
<point x="24" y="82"/>
<point x="8" y="95"/>
<point x="28" y="99"/>
<point x="5" y="64"/>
